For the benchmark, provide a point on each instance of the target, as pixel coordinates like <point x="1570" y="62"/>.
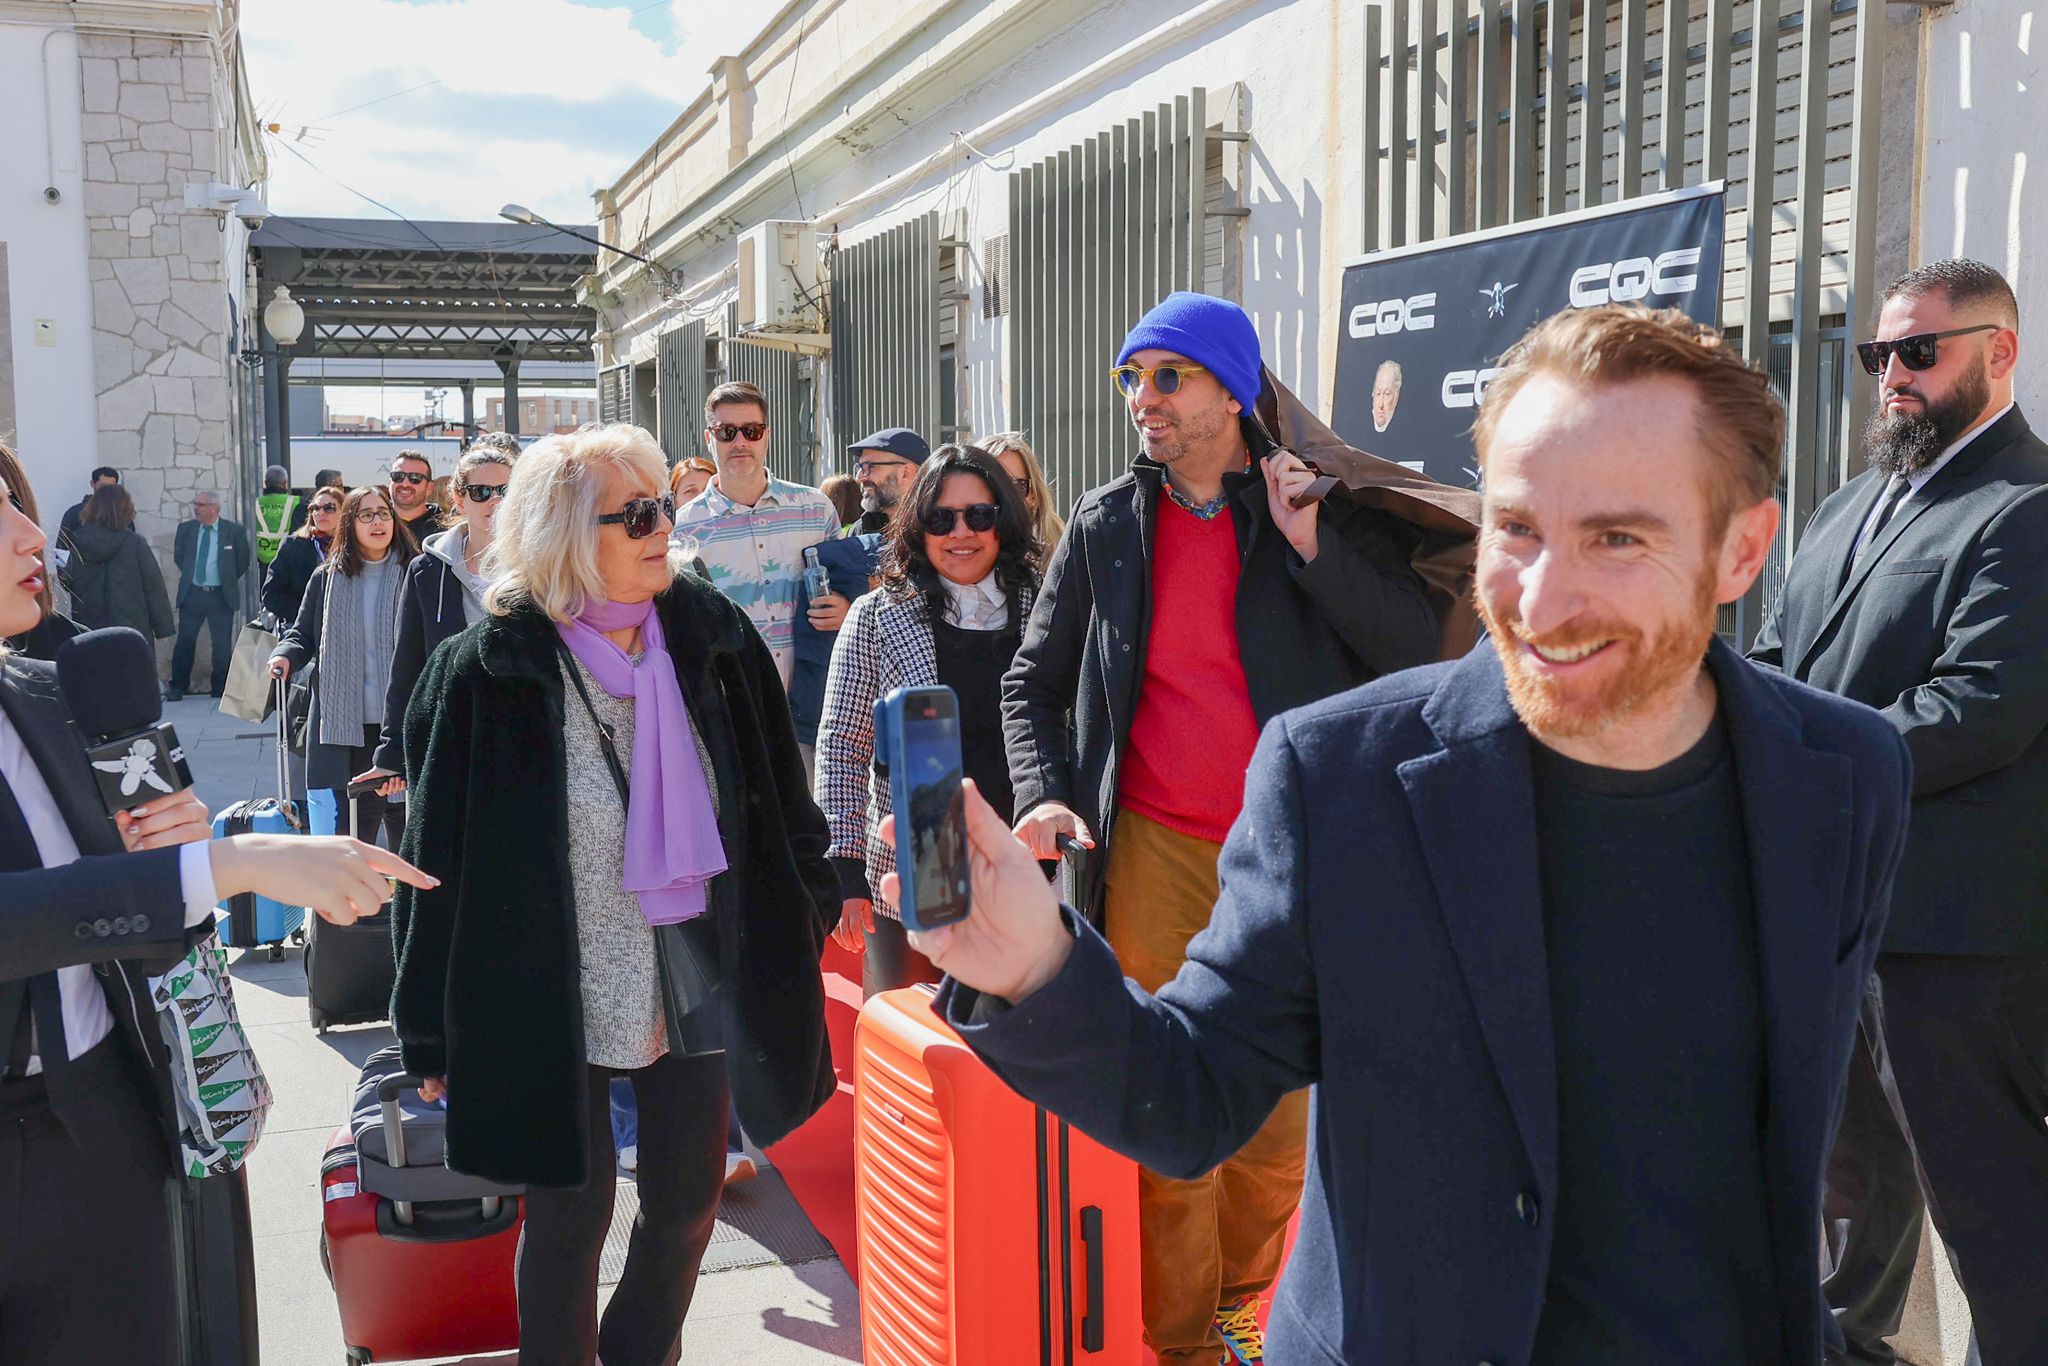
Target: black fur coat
<point x="488" y="991"/>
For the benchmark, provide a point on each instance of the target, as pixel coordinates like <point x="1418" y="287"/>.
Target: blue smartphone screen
<point x="937" y="819"/>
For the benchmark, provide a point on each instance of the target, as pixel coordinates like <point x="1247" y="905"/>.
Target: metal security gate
<point x="681" y="382"/>
<point x="784" y="380"/>
<point x="886" y="311"/>
<point x="615" y="394"/>
<point x="1478" y="114"/>
<point x="1098" y="234"/>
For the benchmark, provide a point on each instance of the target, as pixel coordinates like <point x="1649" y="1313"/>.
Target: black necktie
<point x="1893" y="496"/>
<point x="18" y="853"/>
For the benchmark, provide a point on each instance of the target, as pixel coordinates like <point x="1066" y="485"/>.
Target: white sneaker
<point x="739" y="1167"/>
<point x="629" y="1158"/>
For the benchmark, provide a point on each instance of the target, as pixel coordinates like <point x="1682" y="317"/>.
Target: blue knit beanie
<point x="1209" y="331"/>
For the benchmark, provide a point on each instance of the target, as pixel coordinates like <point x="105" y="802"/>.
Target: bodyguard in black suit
<point x="1568" y="935"/>
<point x="1921" y="589"/>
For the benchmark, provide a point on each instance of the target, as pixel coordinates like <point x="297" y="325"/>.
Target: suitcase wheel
<point x="274" y="952"/>
<point x="357" y="1354"/>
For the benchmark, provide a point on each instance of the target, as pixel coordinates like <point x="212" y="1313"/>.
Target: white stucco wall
<point x="1984" y="157"/>
<point x="46" y="265"/>
<point x="1297" y="60"/>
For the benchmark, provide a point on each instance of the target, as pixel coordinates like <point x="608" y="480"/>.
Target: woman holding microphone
<point x="604" y="772"/>
<point x="89" y="908"/>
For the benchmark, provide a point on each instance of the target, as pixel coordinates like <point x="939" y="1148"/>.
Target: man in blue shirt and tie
<point x="212" y="555"/>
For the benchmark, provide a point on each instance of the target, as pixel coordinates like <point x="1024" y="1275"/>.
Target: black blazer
<point x="123" y="913"/>
<point x="430" y="611"/>
<point x="234" y="558"/>
<point x="285" y="586"/>
<point x="488" y="993"/>
<point x="1381" y="936"/>
<point x="1944" y="628"/>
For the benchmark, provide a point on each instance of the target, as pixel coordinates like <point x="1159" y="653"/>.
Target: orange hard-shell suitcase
<point x="991" y="1234"/>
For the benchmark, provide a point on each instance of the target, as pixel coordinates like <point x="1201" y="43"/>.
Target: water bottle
<point x="816" y="583"/>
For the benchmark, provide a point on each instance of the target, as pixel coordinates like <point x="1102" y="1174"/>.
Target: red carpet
<point x="817" y="1160"/>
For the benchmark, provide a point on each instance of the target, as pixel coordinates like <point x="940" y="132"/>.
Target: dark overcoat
<point x="488" y="992"/>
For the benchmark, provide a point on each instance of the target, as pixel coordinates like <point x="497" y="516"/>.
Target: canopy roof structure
<point x="390" y="289"/>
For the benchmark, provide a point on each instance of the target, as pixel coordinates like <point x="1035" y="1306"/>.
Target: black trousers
<point x="1968" y="1039"/>
<point x="682" y="1104"/>
<point x="207" y="607"/>
<point x="1873" y="1209"/>
<point x="372" y="811"/>
<point x="888" y="962"/>
<point x="87" y="1267"/>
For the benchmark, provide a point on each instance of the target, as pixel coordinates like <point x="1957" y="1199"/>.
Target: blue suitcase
<point x="253" y="921"/>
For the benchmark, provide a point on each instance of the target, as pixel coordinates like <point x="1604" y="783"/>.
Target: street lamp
<point x="666" y="281"/>
<point x="283" y="319"/>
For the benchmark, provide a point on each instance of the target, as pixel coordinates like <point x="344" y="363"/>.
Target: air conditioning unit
<point x="779" y="289"/>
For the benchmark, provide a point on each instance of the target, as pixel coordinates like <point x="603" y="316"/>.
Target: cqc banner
<point x="1424" y="327"/>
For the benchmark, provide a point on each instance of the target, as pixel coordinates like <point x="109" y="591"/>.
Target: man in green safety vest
<point x="274" y="513"/>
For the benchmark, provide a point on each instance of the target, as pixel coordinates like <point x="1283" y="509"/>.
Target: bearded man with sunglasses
<point x="1921" y="589"/>
<point x="1188" y="603"/>
<point x="412" y="489"/>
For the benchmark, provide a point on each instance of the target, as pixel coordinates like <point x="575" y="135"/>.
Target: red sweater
<point x="1194" y="730"/>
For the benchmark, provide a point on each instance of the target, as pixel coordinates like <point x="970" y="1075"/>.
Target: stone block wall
<point x="154" y="116"/>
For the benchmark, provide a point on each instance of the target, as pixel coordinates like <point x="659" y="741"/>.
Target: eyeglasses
<point x="1166" y="379"/>
<point x="1023" y="486"/>
<point x="639" y="515"/>
<point x="481" y="493"/>
<point x="318" y="508"/>
<point x="728" y="431"/>
<point x="375" y="515"/>
<point x="409" y="477"/>
<point x="940" y="521"/>
<point x="868" y="469"/>
<point x="1915" y="352"/>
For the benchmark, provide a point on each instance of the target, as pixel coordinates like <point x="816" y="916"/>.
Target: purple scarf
<point x="673" y="849"/>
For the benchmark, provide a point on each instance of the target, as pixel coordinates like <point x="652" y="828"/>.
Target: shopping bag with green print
<point x="222" y="1094"/>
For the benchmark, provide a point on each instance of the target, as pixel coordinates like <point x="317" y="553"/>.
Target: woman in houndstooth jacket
<point x="959" y="568"/>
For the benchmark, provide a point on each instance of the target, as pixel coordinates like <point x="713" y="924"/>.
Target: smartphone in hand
<point x="917" y="748"/>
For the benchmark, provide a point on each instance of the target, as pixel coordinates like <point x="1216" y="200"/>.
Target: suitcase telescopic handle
<point x="1068" y="846"/>
<point x="1091" y="1253"/>
<point x="394" y="1131"/>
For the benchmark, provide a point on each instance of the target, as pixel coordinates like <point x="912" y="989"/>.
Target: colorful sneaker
<point x="1243" y="1340"/>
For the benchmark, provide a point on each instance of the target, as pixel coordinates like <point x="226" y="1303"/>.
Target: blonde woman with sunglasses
<point x="1013" y="452"/>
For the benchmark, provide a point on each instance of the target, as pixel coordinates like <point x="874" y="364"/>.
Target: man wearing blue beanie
<point x="1188" y="603"/>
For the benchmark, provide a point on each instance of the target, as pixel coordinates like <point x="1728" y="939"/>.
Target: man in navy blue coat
<point x="1569" y="935"/>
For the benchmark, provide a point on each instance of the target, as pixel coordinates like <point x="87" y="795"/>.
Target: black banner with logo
<point x="1423" y="328"/>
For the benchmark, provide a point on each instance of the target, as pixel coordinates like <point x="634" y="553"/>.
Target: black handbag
<point x="693" y="984"/>
<point x="298" y="707"/>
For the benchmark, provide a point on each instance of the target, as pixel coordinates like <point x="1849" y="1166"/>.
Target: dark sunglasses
<point x="324" y="507"/>
<point x="409" y="477"/>
<point x="939" y="521"/>
<point x="728" y="431"/>
<point x="481" y="493"/>
<point x="1166" y="379"/>
<point x="639" y="516"/>
<point x="1915" y="352"/>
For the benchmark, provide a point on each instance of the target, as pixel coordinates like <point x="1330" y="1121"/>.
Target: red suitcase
<point x="991" y="1234"/>
<point x="429" y="1276"/>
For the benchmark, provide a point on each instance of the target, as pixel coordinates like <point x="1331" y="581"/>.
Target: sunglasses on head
<point x="1166" y="379"/>
<point x="481" y="493"/>
<point x="641" y="516"/>
<point x="939" y="521"/>
<point x="730" y="431"/>
<point x="409" y="477"/>
<point x="1915" y="352"/>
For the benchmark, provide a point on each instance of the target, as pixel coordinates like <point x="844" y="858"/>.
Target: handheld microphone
<point x="108" y="680"/>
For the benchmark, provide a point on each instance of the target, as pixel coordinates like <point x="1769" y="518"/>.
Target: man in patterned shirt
<point x="751" y="529"/>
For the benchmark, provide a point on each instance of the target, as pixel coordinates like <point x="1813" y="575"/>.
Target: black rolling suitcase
<point x="350" y="969"/>
<point x="216" y="1264"/>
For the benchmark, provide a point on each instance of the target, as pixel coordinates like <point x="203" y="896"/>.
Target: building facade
<point x="126" y="308"/>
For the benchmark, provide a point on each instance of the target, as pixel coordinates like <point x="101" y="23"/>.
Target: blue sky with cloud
<point x="449" y="108"/>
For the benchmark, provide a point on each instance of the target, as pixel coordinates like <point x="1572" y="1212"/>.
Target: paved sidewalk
<point x="764" y="1314"/>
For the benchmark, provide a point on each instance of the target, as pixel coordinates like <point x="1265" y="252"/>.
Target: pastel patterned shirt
<point x="756" y="554"/>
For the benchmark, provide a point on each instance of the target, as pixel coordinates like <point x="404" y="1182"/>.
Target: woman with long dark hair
<point x="348" y="624"/>
<point x="959" y="569"/>
<point x="113" y="574"/>
<point x="52" y="628"/>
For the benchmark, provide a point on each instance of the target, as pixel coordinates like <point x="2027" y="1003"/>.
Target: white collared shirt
<point x="87" y="1018"/>
<point x="980" y="606"/>
<point x="1918" y="479"/>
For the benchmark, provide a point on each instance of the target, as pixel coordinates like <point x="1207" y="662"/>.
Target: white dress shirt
<point x="1918" y="479"/>
<point x="87" y="1018"/>
<point x="979" y="606"/>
